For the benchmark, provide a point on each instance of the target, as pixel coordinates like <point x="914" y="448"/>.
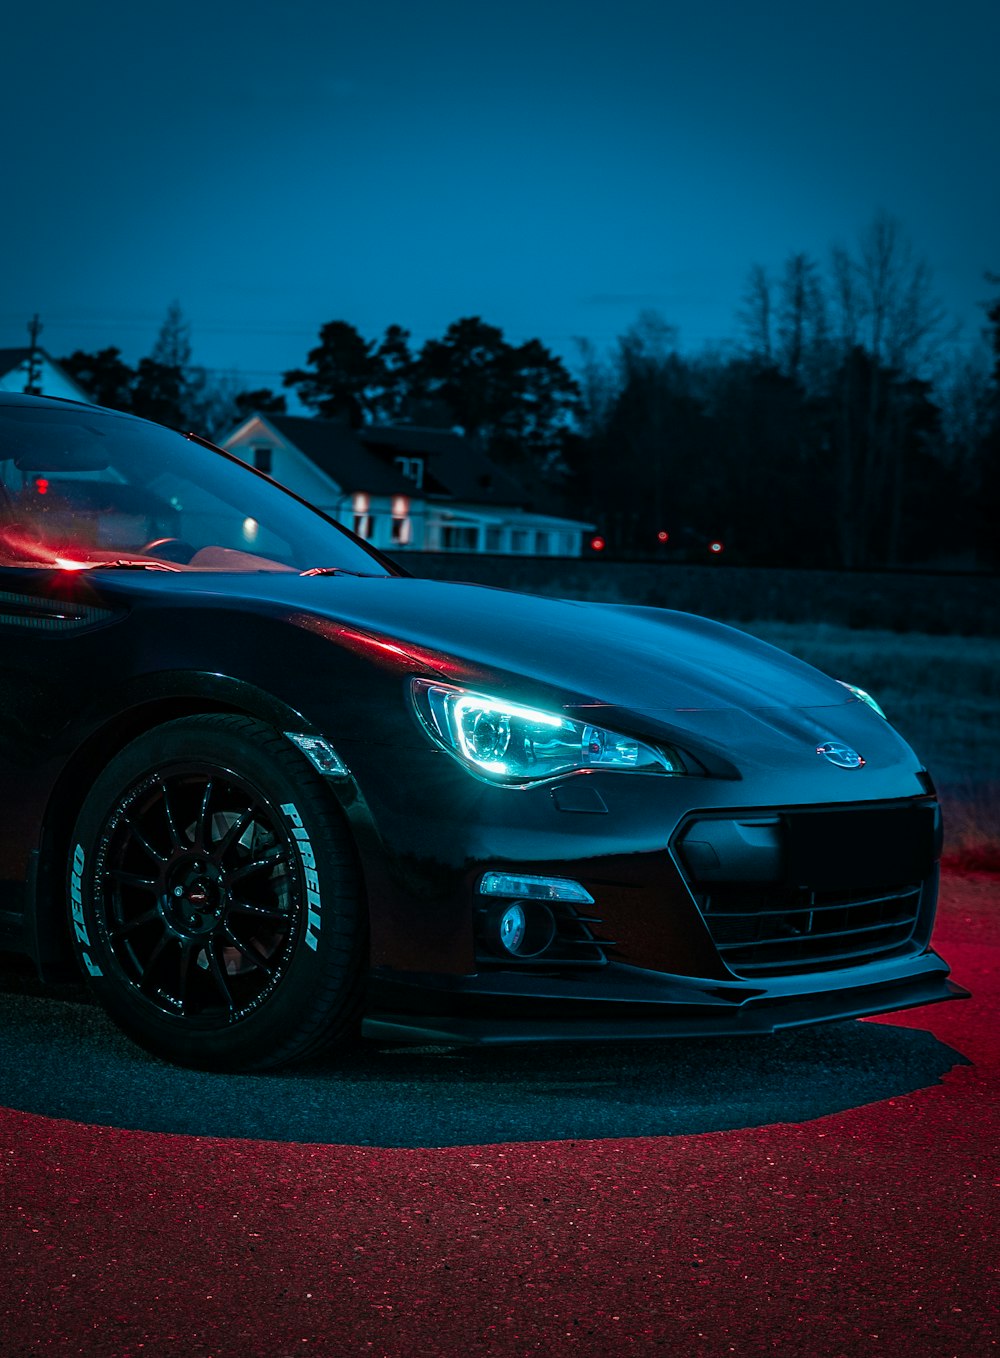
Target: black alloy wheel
<point x="215" y="900"/>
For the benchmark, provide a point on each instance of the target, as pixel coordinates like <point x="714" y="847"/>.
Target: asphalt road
<point x="829" y="1193"/>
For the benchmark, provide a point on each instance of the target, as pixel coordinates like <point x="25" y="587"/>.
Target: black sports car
<point x="266" y="790"/>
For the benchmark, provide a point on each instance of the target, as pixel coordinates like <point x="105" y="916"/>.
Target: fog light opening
<point x="520" y="928"/>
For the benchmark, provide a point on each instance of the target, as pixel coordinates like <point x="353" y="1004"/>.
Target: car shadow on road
<point x="63" y="1058"/>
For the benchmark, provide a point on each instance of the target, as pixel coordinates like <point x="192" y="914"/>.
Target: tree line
<point x="842" y="427"/>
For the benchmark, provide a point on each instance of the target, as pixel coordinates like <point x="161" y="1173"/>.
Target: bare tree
<point x="801" y="321"/>
<point x="173" y="342"/>
<point x="966" y="398"/>
<point x="598" y="387"/>
<point x="754" y="315"/>
<point x="886" y="299"/>
<point x="890" y="329"/>
<point x="650" y="341"/>
<point x="847" y="304"/>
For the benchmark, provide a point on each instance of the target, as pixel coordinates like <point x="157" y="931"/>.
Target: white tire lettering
<point x="314" y="919"/>
<point x="291" y="811"/>
<point x="76" y="909"/>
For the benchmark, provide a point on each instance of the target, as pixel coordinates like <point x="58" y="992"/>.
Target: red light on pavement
<point x="663" y="536"/>
<point x="715" y="547"/>
<point x="42" y="485"/>
<point x="597" y="544"/>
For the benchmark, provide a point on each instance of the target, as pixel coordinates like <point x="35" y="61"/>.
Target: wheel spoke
<point x="168" y="811"/>
<point x="267" y="859"/>
<point x="136" y="923"/>
<point x="133" y="879"/>
<point x="145" y="983"/>
<point x="235" y="832"/>
<point x="255" y="958"/>
<point x="143" y="842"/>
<point x="184" y="970"/>
<point x="201" y="834"/>
<point x="218" y="973"/>
<point x="268" y="912"/>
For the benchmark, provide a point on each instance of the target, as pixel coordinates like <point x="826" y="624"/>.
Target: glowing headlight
<point x="512" y="744"/>
<point x="863" y="697"/>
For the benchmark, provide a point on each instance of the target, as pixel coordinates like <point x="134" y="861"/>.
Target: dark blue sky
<point x="553" y="167"/>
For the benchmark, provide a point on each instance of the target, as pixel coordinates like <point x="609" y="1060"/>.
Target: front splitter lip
<point x="477" y="1018"/>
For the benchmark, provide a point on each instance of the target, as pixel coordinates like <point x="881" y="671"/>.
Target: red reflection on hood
<point x="384" y="651"/>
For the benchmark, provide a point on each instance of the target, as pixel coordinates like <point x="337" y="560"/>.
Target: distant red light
<point x="715" y="547"/>
<point x="41" y="485"/>
<point x="663" y="536"/>
<point x="597" y="544"/>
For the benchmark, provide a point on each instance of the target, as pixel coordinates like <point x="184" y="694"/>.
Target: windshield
<point x="85" y="488"/>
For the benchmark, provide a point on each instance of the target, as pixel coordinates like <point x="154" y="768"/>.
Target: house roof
<point x="336" y="449"/>
<point x="455" y="467"/>
<point x="412" y="439"/>
<point x="13" y="358"/>
<point x="10" y="358"/>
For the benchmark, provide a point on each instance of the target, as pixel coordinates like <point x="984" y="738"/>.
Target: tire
<point x="215" y="898"/>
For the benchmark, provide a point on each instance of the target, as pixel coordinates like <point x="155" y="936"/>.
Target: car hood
<point x="669" y="675"/>
<point x="642" y="659"/>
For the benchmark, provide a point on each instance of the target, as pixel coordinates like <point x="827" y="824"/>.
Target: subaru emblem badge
<point x="841" y="755"/>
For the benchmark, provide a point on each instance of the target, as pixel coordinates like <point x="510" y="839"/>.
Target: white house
<point x="404" y="488"/>
<point x="50" y="379"/>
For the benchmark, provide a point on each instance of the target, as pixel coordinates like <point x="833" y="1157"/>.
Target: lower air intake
<point x="790" y="890"/>
<point x="772" y="933"/>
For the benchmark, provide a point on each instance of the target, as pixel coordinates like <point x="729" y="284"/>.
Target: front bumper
<point x="673" y="885"/>
<point x="630" y="1004"/>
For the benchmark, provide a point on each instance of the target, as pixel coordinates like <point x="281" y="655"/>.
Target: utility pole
<point x="33" y="364"/>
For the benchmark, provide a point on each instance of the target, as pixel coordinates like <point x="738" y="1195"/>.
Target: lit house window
<point x="401" y="519"/>
<point x="362" y="518"/>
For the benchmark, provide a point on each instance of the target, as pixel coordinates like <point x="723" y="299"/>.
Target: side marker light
<point x="321" y="754"/>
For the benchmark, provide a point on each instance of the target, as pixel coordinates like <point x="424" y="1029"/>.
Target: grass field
<point x="943" y="694"/>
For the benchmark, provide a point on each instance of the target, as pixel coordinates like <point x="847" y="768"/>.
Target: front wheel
<point x="215" y="898"/>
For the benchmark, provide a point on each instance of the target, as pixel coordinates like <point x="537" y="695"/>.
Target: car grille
<point x="786" y="891"/>
<point x="763" y="931"/>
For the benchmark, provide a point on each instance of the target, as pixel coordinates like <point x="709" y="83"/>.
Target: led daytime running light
<point x="863" y="696"/>
<point x="519" y="887"/>
<point x="509" y="743"/>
